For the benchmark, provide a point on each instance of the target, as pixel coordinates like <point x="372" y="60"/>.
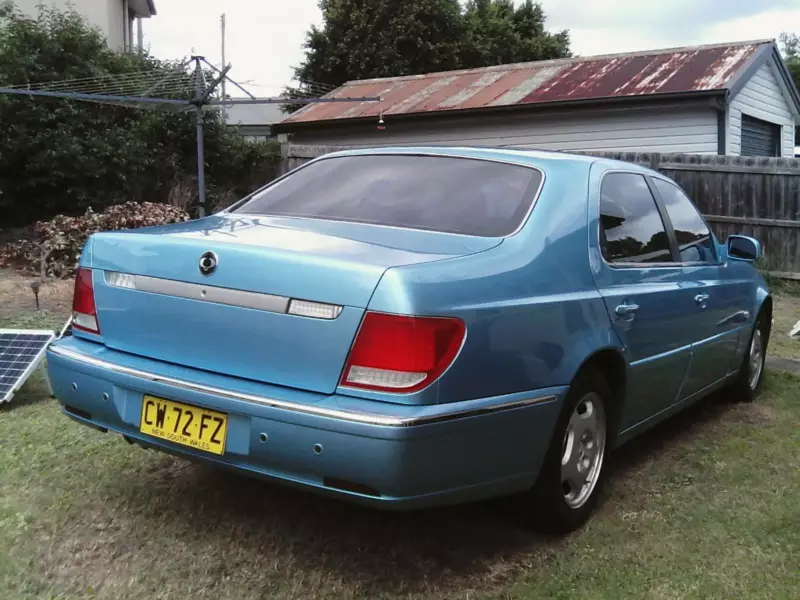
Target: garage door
<point x="760" y="138"/>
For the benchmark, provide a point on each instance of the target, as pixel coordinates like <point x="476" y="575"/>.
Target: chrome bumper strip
<point x="319" y="411"/>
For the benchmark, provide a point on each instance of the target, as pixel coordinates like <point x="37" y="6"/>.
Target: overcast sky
<point x="265" y="37"/>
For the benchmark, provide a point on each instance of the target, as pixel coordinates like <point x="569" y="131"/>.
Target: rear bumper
<point x="373" y="452"/>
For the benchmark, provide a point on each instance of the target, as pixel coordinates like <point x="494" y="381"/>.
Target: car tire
<point x="751" y="372"/>
<point x="580" y="448"/>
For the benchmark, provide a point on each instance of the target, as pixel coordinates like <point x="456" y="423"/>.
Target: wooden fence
<point x="752" y="196"/>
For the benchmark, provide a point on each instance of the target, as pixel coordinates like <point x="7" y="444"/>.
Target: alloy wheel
<point x="756" y="358"/>
<point x="583" y="450"/>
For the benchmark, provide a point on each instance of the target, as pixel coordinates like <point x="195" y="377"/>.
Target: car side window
<point x="695" y="241"/>
<point x="631" y="228"/>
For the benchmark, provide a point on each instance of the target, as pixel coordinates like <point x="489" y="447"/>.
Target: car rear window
<point x="452" y="195"/>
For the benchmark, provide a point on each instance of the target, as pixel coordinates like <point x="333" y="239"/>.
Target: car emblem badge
<point x="208" y="263"/>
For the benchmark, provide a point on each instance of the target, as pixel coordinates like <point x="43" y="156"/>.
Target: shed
<point x="735" y="99"/>
<point x="255" y="121"/>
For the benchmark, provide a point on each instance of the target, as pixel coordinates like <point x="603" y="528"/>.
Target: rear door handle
<point x="701" y="298"/>
<point x="626" y="309"/>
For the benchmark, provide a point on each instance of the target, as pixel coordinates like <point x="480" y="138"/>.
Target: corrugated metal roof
<point x="677" y="70"/>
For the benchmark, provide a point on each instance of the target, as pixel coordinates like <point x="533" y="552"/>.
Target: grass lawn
<point x="703" y="506"/>
<point x="786" y="314"/>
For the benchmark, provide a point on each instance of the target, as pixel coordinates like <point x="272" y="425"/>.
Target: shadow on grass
<point x="34" y="391"/>
<point x="374" y="551"/>
<point x="692" y="422"/>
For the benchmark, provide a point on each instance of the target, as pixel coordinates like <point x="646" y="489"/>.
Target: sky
<point x="265" y="37"/>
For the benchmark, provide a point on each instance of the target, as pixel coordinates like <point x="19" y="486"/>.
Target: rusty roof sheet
<point x="677" y="70"/>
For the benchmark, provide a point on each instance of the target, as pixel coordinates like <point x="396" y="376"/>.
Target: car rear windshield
<point x="451" y="195"/>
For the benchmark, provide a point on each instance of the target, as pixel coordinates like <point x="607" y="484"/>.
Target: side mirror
<point x="741" y="247"/>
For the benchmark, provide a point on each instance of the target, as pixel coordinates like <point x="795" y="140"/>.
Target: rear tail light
<point x="84" y="311"/>
<point x="395" y="353"/>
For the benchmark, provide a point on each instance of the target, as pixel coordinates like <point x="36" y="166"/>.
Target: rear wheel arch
<point x="573" y="457"/>
<point x="766" y="310"/>
<point x="750" y="376"/>
<point x="610" y="364"/>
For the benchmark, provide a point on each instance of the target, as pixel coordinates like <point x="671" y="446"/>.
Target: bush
<point x="62" y="156"/>
<point x="56" y="245"/>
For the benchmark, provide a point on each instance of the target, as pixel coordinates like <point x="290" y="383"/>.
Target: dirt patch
<point x="792" y="365"/>
<point x="17" y="297"/>
<point x="753" y="414"/>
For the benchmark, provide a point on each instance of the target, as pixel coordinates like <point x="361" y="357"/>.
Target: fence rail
<point x="747" y="195"/>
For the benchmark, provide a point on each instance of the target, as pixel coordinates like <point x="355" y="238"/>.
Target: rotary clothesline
<point x="176" y="89"/>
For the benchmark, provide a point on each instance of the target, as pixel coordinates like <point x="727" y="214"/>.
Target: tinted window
<point x="631" y="229"/>
<point x="694" y="238"/>
<point x="454" y="195"/>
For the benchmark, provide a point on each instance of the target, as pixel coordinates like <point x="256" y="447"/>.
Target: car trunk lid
<point x="234" y="320"/>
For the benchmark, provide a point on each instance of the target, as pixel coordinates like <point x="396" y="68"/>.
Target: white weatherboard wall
<point x="107" y="15"/>
<point x="663" y="129"/>
<point x="762" y="98"/>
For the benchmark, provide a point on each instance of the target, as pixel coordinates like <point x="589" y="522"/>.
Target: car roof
<point x="539" y="158"/>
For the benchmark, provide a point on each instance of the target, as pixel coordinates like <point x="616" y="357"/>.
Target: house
<point x="114" y="18"/>
<point x="735" y="99"/>
<point x="254" y="121"/>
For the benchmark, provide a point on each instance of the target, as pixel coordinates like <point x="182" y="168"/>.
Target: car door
<point x="648" y="299"/>
<point x="721" y="300"/>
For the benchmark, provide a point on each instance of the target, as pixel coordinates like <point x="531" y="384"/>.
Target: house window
<point x="760" y="138"/>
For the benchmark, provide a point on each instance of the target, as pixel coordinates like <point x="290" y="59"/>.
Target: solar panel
<point x="21" y="351"/>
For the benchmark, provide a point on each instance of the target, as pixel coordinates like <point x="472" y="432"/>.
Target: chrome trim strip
<point x="343" y="415"/>
<point x="205" y="293"/>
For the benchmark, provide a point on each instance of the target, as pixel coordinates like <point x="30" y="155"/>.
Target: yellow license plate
<point x="183" y="424"/>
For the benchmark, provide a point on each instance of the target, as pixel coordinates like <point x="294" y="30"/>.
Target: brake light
<point x="397" y="353"/>
<point x="84" y="311"/>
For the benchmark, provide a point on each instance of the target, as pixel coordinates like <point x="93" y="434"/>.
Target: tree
<point x="363" y="40"/>
<point x="790" y="46"/>
<point x="63" y="156"/>
<point x="497" y="34"/>
<point x="360" y="40"/>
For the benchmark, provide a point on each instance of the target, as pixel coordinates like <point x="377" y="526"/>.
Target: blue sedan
<point x="412" y="327"/>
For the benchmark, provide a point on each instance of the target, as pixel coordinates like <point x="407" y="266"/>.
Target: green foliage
<point x="363" y="40"/>
<point x="790" y="45"/>
<point x="497" y="33"/>
<point x="64" y="156"/>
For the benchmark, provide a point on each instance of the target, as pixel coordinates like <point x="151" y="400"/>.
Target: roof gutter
<point x="142" y="9"/>
<point x="290" y="127"/>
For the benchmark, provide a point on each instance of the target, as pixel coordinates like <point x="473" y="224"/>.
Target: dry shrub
<point x="222" y="201"/>
<point x="181" y="195"/>
<point x="58" y="243"/>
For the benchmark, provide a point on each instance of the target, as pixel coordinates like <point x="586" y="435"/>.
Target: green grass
<point x="703" y="506"/>
<point x="786" y="314"/>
